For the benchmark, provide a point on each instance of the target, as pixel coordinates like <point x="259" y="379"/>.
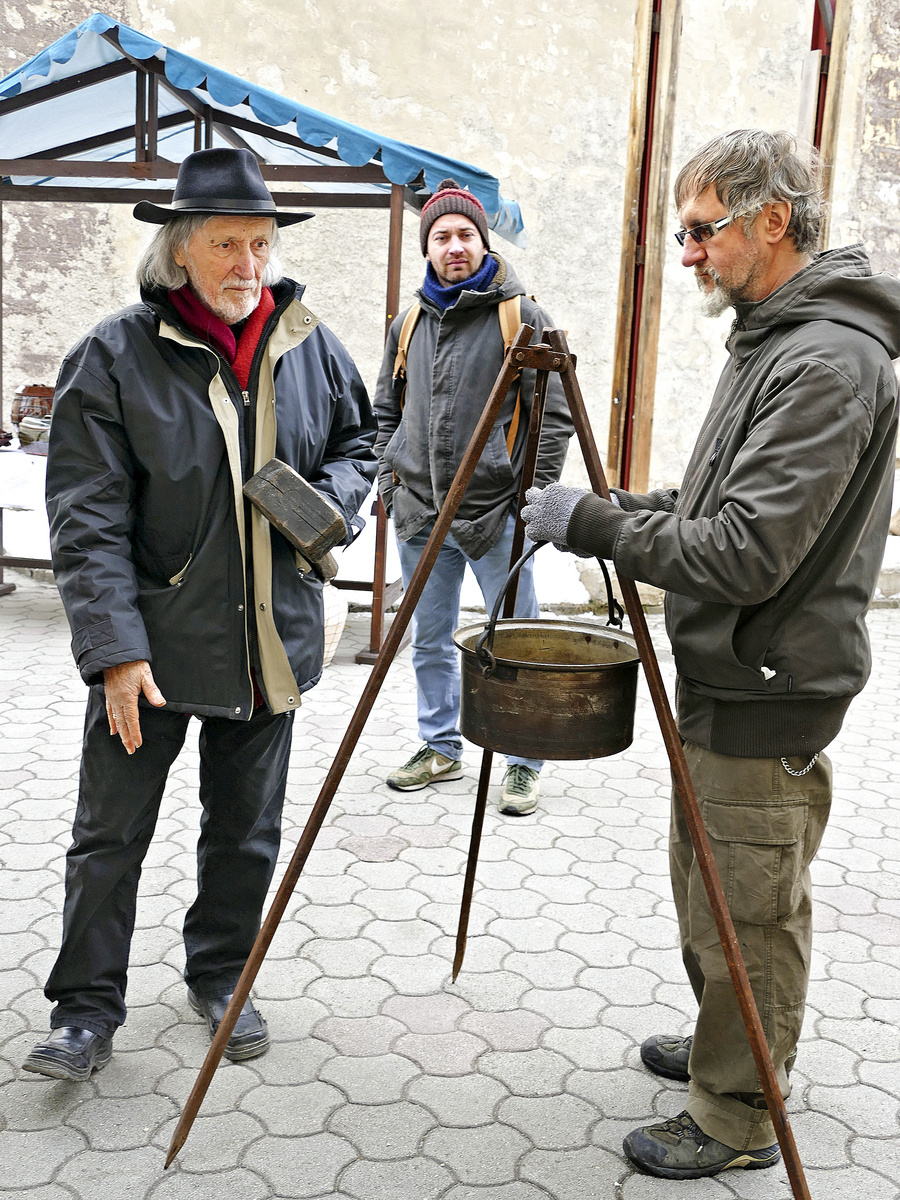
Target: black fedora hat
<point x="219" y="183"/>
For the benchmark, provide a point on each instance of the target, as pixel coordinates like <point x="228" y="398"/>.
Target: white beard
<point x="229" y="304"/>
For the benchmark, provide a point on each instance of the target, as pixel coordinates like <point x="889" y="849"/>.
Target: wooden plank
<point x="630" y="222"/>
<point x="63" y="87"/>
<point x="164" y="169"/>
<point x="99" y="195"/>
<point x="837" y="64"/>
<point x="308" y="520"/>
<point x="395" y="248"/>
<point x="104" y="139"/>
<point x="656" y="241"/>
<point x="809" y="95"/>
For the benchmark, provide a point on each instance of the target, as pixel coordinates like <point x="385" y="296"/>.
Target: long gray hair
<point x="751" y="168"/>
<point x="157" y="267"/>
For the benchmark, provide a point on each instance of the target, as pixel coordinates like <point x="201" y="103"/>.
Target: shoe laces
<point x="684" y="1126"/>
<point x="519" y="780"/>
<point x="419" y="756"/>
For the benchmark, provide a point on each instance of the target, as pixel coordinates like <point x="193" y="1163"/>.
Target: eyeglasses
<point x="702" y="233"/>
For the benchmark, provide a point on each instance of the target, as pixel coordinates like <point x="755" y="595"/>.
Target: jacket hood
<point x="837" y="286"/>
<point x="503" y="286"/>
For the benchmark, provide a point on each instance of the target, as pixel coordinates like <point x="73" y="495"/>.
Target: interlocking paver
<point x="487" y="1153"/>
<point x="464" y="1101"/>
<point x="383" y="1131"/>
<point x="301" y="1166"/>
<point x="376" y="1079"/>
<point x="416" y="1179"/>
<point x="386" y="1081"/>
<point x="529" y="1072"/>
<point x="550" y="1123"/>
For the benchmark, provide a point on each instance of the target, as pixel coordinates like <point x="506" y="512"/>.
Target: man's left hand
<point x="547" y="512"/>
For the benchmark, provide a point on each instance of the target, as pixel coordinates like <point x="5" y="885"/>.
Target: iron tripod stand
<point x="551" y="355"/>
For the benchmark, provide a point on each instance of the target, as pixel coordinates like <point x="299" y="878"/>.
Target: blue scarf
<point x="446" y="297"/>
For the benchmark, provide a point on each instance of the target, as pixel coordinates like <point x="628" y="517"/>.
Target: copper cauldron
<point x="561" y="689"/>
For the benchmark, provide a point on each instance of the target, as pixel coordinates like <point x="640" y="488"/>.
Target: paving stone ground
<point x="385" y="1081"/>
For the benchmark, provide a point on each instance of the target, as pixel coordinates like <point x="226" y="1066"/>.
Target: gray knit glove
<point x="547" y="511"/>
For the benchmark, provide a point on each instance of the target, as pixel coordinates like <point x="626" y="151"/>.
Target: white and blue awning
<point x="106" y="94"/>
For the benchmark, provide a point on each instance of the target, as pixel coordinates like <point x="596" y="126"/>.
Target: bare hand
<point x="123" y="685"/>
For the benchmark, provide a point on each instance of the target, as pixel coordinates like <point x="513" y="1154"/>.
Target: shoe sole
<point x="742" y="1160"/>
<point x="243" y="1052"/>
<point x="417" y="787"/>
<point x="54" y="1069"/>
<point x="510" y="811"/>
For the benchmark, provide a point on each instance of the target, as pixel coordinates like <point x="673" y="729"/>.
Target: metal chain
<point x="809" y="766"/>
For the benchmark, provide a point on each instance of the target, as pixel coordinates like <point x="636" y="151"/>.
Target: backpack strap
<point x="510" y="314"/>
<point x="406" y="332"/>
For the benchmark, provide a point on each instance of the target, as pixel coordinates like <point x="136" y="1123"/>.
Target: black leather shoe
<point x="69" y="1053"/>
<point x="250" y="1036"/>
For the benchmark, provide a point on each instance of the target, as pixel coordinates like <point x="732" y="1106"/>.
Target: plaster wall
<point x="536" y="93"/>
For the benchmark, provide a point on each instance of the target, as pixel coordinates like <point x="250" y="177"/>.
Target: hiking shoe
<point x="679" y="1149"/>
<point x="426" y="766"/>
<point x="667" y="1054"/>
<point x="519" y="795"/>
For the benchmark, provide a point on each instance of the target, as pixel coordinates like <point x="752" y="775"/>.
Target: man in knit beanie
<point x="426" y="417"/>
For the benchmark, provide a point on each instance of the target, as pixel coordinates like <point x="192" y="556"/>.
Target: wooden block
<point x="309" y="522"/>
<point x="324" y="568"/>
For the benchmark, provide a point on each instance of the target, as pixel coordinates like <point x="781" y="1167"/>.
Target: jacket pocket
<point x="758" y="850"/>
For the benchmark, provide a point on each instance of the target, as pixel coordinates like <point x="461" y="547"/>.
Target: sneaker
<point x="426" y="766"/>
<point x="667" y="1054"/>
<point x="679" y="1149"/>
<point x="519" y="795"/>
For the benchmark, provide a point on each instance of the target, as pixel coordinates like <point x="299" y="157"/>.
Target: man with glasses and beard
<point x="181" y="598"/>
<point x="769" y="554"/>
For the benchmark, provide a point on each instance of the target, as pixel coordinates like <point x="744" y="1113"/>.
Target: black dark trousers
<point x="243" y="772"/>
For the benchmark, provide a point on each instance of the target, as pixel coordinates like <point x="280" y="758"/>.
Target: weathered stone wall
<point x="62" y="263"/>
<point x="537" y="94"/>
<point x="867" y="172"/>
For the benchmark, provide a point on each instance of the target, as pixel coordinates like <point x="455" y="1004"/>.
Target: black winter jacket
<point x="771" y="551"/>
<point x="148" y="524"/>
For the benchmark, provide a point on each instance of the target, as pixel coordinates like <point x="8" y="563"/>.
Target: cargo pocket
<point x="759" y="852"/>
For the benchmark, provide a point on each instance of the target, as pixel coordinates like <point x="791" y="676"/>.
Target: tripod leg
<point x="484" y="780"/>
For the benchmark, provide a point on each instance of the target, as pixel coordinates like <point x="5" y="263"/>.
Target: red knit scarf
<point x="220" y="336"/>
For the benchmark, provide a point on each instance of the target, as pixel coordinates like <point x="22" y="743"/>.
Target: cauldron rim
<point x="604" y="632"/>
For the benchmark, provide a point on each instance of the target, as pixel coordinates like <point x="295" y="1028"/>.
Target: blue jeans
<point x="435" y="658"/>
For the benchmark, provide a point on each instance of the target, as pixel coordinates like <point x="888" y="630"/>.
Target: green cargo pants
<point x="765" y="827"/>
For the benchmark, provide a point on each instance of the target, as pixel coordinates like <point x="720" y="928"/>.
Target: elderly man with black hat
<point x="181" y="598"/>
<point x="440" y="363"/>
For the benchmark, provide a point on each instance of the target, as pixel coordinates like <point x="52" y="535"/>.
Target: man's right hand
<point x="123" y="685"/>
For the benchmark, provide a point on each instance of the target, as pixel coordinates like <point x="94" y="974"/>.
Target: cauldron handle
<point x="485" y="644"/>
